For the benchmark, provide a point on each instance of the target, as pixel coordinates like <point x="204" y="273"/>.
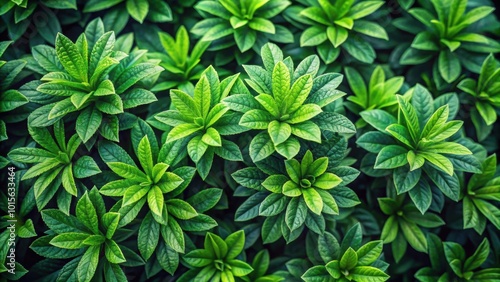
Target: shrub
<point x="251" y="140"/>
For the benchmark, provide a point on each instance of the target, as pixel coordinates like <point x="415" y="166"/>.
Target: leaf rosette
<point x="289" y="104"/>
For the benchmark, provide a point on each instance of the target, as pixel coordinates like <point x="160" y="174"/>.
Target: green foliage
<point x="249" y="23"/>
<point x="485" y="96"/>
<point x="404" y="226"/>
<point x="157" y="11"/>
<point x="180" y="67"/>
<point x="136" y="134"/>
<point x="288" y="104"/>
<point x="10" y="99"/>
<point x="380" y="93"/>
<point x="82" y="238"/>
<point x="348" y="261"/>
<point x="443" y="34"/>
<point x="461" y="268"/>
<point x="202" y="119"/>
<point x="20" y="16"/>
<point x="415" y="149"/>
<point x="339" y="24"/>
<point x="55" y="164"/>
<point x="482" y="192"/>
<point x="88" y="79"/>
<point x="302" y="194"/>
<point x="218" y="259"/>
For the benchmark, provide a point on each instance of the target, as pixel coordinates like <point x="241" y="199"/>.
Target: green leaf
<point x="400" y="133"/>
<point x="70" y="240"/>
<point x="71" y="58"/>
<point x="113" y="252"/>
<point x="271" y="229"/>
<point x="305" y="113"/>
<point x="296" y="213"/>
<point x="88" y="264"/>
<point x="235" y="243"/>
<point x="85" y="167"/>
<point x="180" y="209"/>
<point x="148" y="236"/>
<point x="373" y="142"/>
<point x="410" y="115"/>
<point x="155" y="200"/>
<point x="279" y="131"/>
<point x="229" y="151"/>
<point x="182" y="130"/>
<point x="113" y="272"/>
<point x="435" y="122"/>
<point x="313" y="200"/>
<point x="310" y="65"/>
<point x="359" y="49"/>
<point x="135" y="73"/>
<point x="414" y="235"/>
<point x="369" y="252"/>
<point x="86" y="213"/>
<point x="205" y="199"/>
<point x="479" y="256"/>
<point x="313" y="36"/>
<point x="239" y="268"/>
<point x="111" y="152"/>
<point x="88" y="122"/>
<point x="110" y="221"/>
<point x="202" y="96"/>
<point x="439" y="161"/>
<point x="299" y="92"/>
<point x="487" y="112"/>
<point x="212" y="137"/>
<point x="449" y="185"/>
<point x="271" y="54"/>
<point x="316" y="273"/>
<point x="489" y="211"/>
<point x="281" y="83"/>
<point x="261" y="147"/>
<point x="328" y="247"/>
<point x="449" y="66"/>
<point x="307" y="130"/>
<point x="68" y="181"/>
<point x="392" y="156"/>
<point x="128" y="171"/>
<point x="390" y="230"/>
<point x="198" y="258"/>
<point x="453" y="251"/>
<point x="421" y="195"/>
<point x="379" y="119"/>
<point x="256" y="119"/>
<point x="136" y="97"/>
<point x="368" y="273"/>
<point x="145" y="156"/>
<point x="337" y="35"/>
<point x="46" y="56"/>
<point x="289" y="149"/>
<point x="262" y="25"/>
<point x="173" y="235"/>
<point x="250" y="208"/>
<point x="273" y="204"/>
<point x="11" y="99"/>
<point x="349" y="259"/>
<point x="371" y="29"/>
<point x="137" y="9"/>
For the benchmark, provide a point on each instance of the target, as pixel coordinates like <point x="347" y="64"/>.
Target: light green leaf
<point x="313" y="200"/>
<point x="392" y="156"/>
<point x="88" y="264"/>
<point x="137" y="9"/>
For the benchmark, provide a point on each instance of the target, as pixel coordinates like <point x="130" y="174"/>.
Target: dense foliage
<point x="249" y="140"/>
